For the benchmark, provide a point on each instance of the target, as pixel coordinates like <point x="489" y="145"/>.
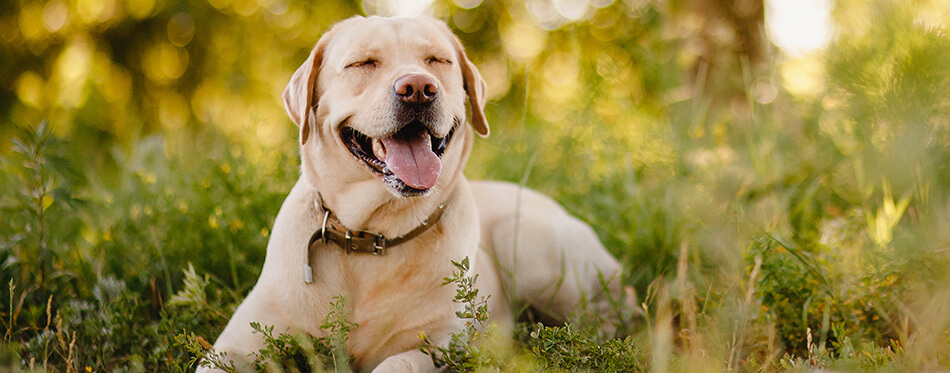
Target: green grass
<point x="809" y="232"/>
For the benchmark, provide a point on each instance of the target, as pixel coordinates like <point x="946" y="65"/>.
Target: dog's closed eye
<point x="433" y="59"/>
<point x="369" y="62"/>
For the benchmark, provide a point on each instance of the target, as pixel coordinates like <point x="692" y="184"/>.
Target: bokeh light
<point x="397" y="8"/>
<point x="799" y="26"/>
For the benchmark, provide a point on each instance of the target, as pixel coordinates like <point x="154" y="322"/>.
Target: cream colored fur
<point x="552" y="261"/>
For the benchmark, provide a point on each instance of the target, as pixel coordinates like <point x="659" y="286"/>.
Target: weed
<point x="462" y="354"/>
<point x="566" y="349"/>
<point x="203" y="353"/>
<point x="339" y="327"/>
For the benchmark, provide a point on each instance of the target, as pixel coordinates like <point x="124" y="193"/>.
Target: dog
<point x="382" y="207"/>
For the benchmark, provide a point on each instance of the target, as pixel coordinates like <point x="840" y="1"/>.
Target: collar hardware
<point x="359" y="242"/>
<point x="379" y="245"/>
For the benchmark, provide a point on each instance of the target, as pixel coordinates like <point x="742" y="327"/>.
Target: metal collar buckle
<point x="307" y="268"/>
<point x="379" y="244"/>
<point x="323" y="229"/>
<point x="349" y="242"/>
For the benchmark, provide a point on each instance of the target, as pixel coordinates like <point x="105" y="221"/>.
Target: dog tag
<point x="307" y="273"/>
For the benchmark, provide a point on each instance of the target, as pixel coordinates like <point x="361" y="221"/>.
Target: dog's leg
<point x="413" y="361"/>
<point x="548" y="258"/>
<point x="490" y="285"/>
<point x="239" y="340"/>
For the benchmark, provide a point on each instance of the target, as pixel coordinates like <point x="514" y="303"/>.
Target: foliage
<point x="285" y="352"/>
<point x="202" y="353"/>
<point x="769" y="229"/>
<point x="565" y="349"/>
<point x="339" y="328"/>
<point x="462" y="354"/>
<point x="109" y="331"/>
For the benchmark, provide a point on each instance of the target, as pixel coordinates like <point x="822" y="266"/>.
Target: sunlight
<point x="397" y="8"/>
<point x="799" y="27"/>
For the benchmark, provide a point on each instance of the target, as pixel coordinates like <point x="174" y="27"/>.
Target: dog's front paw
<point x="392" y="365"/>
<point x="409" y="361"/>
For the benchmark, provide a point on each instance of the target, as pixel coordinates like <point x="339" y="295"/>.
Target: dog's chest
<point x="392" y="305"/>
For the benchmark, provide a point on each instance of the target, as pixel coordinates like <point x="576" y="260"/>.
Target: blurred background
<point x="774" y="174"/>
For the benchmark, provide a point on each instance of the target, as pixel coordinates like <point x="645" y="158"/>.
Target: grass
<point x="804" y="233"/>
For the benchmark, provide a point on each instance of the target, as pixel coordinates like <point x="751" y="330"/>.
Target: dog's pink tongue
<point x="412" y="160"/>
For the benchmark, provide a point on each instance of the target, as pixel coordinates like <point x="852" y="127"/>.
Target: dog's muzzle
<point x="409" y="160"/>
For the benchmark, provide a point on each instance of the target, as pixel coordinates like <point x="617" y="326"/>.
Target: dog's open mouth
<point x="409" y="160"/>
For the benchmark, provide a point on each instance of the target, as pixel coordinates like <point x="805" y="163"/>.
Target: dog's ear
<point x="300" y="94"/>
<point x="474" y="87"/>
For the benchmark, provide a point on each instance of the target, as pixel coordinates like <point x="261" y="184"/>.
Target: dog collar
<point x="361" y="242"/>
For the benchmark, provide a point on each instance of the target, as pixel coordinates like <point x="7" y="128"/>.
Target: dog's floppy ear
<point x="300" y="95"/>
<point x="474" y="87"/>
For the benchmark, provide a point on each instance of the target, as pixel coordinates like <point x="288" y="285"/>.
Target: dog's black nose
<point x="416" y="89"/>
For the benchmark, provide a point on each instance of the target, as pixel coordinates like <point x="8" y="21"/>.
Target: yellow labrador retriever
<point x="382" y="206"/>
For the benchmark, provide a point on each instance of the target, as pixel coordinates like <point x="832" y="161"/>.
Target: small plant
<point x="566" y="348"/>
<point x="339" y="328"/>
<point x="194" y="294"/>
<point x="36" y="231"/>
<point x="203" y="353"/>
<point x="461" y="354"/>
<point x="281" y="352"/>
<point x="299" y="352"/>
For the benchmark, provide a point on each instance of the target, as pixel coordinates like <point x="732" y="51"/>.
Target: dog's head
<point x="383" y="100"/>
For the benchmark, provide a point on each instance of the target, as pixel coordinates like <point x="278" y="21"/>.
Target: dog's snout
<point x="416" y="89"/>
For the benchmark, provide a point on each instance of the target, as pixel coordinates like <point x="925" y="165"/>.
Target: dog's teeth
<point x="378" y="149"/>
